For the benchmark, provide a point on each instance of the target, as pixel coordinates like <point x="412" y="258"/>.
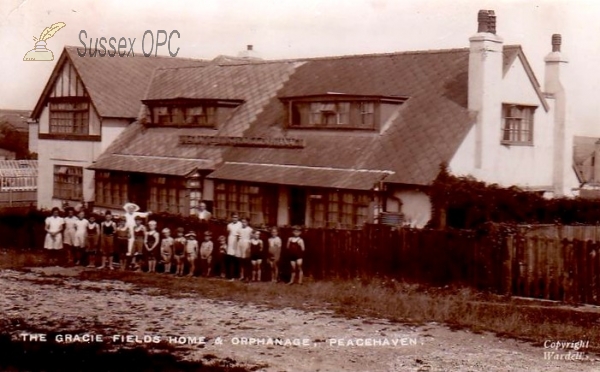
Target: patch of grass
<point x="459" y="308"/>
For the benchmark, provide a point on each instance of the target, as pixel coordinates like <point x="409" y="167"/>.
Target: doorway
<point x="138" y="190"/>
<point x="297" y="206"/>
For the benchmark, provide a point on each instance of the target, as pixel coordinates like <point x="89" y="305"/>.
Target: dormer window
<point x="198" y="116"/>
<point x="340" y="111"/>
<point x="190" y="113"/>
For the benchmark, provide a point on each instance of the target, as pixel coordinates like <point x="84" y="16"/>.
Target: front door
<point x="138" y="190"/>
<point x="297" y="206"/>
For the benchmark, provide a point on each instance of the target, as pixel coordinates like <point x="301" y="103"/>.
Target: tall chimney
<point x="556" y="63"/>
<point x="485" y="78"/>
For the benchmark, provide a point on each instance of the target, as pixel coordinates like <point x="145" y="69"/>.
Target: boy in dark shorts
<point x="295" y="247"/>
<point x="107" y="234"/>
<point x="139" y="238"/>
<point x="151" y="246"/>
<point x="122" y="236"/>
<point x="93" y="238"/>
<point x="256" y="252"/>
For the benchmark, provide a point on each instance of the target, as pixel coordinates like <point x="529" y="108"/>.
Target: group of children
<point x="137" y="245"/>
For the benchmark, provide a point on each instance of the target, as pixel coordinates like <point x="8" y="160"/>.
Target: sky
<point x="307" y="28"/>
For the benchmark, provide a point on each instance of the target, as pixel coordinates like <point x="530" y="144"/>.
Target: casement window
<point x="330" y="113"/>
<point x="70" y="116"/>
<point x="336" y="209"/>
<point x="68" y="182"/>
<point x="333" y="114"/>
<point x="168" y="194"/>
<point x="196" y="116"/>
<point x="112" y="189"/>
<point x="517" y="124"/>
<point x="257" y="203"/>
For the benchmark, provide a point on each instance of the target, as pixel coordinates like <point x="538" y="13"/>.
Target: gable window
<point x="517" y="127"/>
<point x="68" y="182"/>
<point x="70" y="116"/>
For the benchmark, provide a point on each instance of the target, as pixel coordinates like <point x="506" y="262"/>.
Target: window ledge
<point x="512" y="143"/>
<point x="70" y="137"/>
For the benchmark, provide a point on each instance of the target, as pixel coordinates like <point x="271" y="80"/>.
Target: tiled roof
<point x="150" y="164"/>
<point x="583" y="151"/>
<point x="116" y="85"/>
<point x="351" y="179"/>
<point x="254" y="84"/>
<point x="425" y="131"/>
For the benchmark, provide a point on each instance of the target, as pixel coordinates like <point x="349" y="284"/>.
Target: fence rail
<point x="514" y="261"/>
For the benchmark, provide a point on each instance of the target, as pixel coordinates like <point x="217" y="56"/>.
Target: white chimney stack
<point x="485" y="78"/>
<point x="556" y="63"/>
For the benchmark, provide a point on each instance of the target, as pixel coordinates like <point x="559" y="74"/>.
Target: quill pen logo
<point x="40" y="52"/>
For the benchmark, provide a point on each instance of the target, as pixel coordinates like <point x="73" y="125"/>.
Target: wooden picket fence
<point x="547" y="262"/>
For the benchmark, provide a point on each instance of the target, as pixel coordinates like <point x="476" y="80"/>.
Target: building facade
<point x="332" y="142"/>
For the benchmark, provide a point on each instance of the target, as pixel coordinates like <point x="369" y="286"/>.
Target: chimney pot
<point x="482" y="21"/>
<point x="486" y="21"/>
<point x="249" y="47"/>
<point x="556" y="42"/>
<point x="491" y="22"/>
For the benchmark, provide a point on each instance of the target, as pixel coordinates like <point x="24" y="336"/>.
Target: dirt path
<point x="112" y="308"/>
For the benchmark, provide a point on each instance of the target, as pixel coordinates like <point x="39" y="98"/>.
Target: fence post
<point x="508" y="265"/>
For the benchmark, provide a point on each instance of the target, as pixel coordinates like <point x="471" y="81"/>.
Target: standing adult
<point x="232" y="245"/>
<point x="204" y="214"/>
<point x="54" y="226"/>
<point x="69" y="232"/>
<point x="131" y="212"/>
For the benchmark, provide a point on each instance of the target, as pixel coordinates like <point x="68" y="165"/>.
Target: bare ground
<point x="53" y="299"/>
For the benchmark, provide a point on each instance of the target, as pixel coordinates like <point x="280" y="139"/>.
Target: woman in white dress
<point x="232" y="245"/>
<point x="243" y="247"/>
<point x="80" y="238"/>
<point x="53" y="242"/>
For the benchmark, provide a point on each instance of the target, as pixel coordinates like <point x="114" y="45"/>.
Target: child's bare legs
<point x="192" y="267"/>
<point x="123" y="262"/>
<point x="300" y="272"/>
<point x="242" y="264"/>
<point x="208" y="266"/>
<point x="274" y="271"/>
<point x="167" y="264"/>
<point x="110" y="262"/>
<point x="293" y="272"/>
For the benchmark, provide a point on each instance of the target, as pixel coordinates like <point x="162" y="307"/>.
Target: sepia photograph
<point x="300" y="186"/>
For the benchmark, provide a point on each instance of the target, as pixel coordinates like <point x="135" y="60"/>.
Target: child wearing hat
<point x="206" y="250"/>
<point x="179" y="244"/>
<point x="166" y="249"/>
<point x="191" y="251"/>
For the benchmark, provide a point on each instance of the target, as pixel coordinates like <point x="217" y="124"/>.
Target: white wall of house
<point x="53" y="152"/>
<point x="111" y="128"/>
<point x="507" y="165"/>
